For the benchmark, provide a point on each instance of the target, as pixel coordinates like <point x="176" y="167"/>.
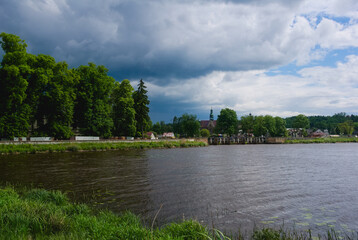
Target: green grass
<point x="93" y="146"/>
<point x="322" y="140"/>
<point x="39" y="214"/>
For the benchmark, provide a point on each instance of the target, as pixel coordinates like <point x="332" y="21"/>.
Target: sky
<point x="278" y="57"/>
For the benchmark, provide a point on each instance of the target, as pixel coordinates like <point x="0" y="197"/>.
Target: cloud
<point x="317" y="91"/>
<point x="178" y="39"/>
<point x="220" y="48"/>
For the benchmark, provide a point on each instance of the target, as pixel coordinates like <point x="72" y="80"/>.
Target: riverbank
<point x="40" y="214"/>
<point x="94" y="146"/>
<point x="322" y="140"/>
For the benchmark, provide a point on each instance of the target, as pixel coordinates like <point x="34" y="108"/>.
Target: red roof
<point x="205" y="123"/>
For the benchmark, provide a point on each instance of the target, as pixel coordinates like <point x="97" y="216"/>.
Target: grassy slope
<point x="93" y="146"/>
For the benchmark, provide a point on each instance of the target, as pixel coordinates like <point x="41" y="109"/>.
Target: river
<point x="229" y="187"/>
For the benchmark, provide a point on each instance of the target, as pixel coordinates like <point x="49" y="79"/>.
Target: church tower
<point x="211" y="115"/>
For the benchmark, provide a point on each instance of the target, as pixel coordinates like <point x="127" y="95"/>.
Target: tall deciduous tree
<point x="227" y="122"/>
<point x="260" y="128"/>
<point x="301" y="121"/>
<point x="280" y="127"/>
<point x="123" y="112"/>
<point x="141" y="108"/>
<point x="190" y="125"/>
<point x="14" y="71"/>
<point x="92" y="109"/>
<point x="247" y="123"/>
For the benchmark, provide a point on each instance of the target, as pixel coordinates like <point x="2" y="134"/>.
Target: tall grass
<point x="93" y="146"/>
<point x="39" y="214"/>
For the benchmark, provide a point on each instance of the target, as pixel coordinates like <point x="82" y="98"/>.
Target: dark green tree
<point x="204" y="133"/>
<point x="260" y="128"/>
<point x="141" y="108"/>
<point x="270" y="125"/>
<point x="190" y="125"/>
<point x="301" y="121"/>
<point x="247" y="123"/>
<point x="92" y="108"/>
<point x="123" y="109"/>
<point x="227" y="122"/>
<point x="14" y="72"/>
<point x="281" y="130"/>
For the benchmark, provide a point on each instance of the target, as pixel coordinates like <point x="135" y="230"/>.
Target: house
<point x="168" y="135"/>
<point x="150" y="135"/>
<point x="320" y="134"/>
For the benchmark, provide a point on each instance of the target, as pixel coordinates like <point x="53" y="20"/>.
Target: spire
<point x="211" y="115"/>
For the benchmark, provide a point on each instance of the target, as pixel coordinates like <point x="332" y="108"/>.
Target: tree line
<point x="228" y="123"/>
<point x="42" y="97"/>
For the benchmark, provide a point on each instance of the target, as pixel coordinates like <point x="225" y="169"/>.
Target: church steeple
<point x="211" y="115"/>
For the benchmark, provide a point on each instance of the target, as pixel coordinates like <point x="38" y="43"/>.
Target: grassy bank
<point x="41" y="214"/>
<point x="323" y="140"/>
<point x="93" y="146"/>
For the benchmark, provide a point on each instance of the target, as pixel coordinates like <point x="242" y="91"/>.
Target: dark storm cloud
<point x="158" y="39"/>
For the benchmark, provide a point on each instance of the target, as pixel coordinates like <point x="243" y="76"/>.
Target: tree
<point x="280" y="127"/>
<point x="346" y="128"/>
<point x="123" y="112"/>
<point x="14" y="72"/>
<point x="204" y="133"/>
<point x="270" y="125"/>
<point x="141" y="108"/>
<point x="92" y="109"/>
<point x="247" y="123"/>
<point x="227" y="122"/>
<point x="259" y="126"/>
<point x="190" y="125"/>
<point x="301" y="121"/>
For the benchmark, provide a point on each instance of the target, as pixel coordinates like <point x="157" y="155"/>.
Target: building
<point x="208" y="124"/>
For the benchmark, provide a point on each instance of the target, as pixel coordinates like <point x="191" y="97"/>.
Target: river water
<point x="229" y="187"/>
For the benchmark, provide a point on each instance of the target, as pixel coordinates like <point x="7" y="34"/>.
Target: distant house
<point x="168" y="135"/>
<point x="319" y="133"/>
<point x="208" y="124"/>
<point x="150" y="135"/>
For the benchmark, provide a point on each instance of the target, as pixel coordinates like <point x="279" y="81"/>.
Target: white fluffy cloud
<point x="318" y="90"/>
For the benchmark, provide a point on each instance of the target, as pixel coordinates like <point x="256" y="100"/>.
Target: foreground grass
<point x="323" y="140"/>
<point x="41" y="214"/>
<point x="93" y="146"/>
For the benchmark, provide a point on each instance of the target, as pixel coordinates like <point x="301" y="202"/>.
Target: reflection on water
<point x="311" y="186"/>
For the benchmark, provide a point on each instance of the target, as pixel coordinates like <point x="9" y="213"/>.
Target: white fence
<point x="86" y="138"/>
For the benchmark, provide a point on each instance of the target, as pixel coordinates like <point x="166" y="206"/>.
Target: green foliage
<point x="280" y="125"/>
<point x="41" y="214"/>
<point x="227" y="122"/>
<point x="162" y="127"/>
<point x="247" y="123"/>
<point x="93" y="146"/>
<point x="123" y="112"/>
<point x="187" y="125"/>
<point x="204" y="133"/>
<point x="259" y="126"/>
<point x="14" y="71"/>
<point x="141" y="108"/>
<point x="301" y="121"/>
<point x="346" y="127"/>
<point x="92" y="113"/>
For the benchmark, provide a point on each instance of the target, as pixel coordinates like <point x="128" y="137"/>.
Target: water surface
<point x="310" y="185"/>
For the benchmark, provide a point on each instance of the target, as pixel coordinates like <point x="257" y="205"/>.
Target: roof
<point x="205" y="123"/>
